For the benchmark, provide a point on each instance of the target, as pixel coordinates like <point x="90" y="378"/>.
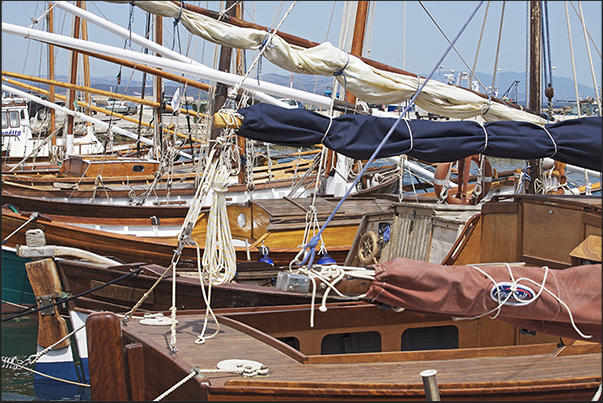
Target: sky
<point x="403" y="34"/>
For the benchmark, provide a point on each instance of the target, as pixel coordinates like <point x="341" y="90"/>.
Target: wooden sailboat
<point x="354" y="350"/>
<point x="278" y="224"/>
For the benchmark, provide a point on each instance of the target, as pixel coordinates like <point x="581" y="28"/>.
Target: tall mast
<point x="158" y="90"/>
<point x="240" y="69"/>
<point x="50" y="22"/>
<point x="72" y="79"/>
<point x="86" y="65"/>
<point x="534" y="102"/>
<point x="333" y="159"/>
<point x="358" y="38"/>
<point x="223" y="65"/>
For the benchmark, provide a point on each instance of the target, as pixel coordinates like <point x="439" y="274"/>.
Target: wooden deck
<point x="526" y="372"/>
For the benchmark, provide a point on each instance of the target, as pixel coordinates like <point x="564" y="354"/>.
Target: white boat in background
<point x="20" y="142"/>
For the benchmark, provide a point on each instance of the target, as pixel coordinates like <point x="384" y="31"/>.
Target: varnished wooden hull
<point x="80" y="277"/>
<point x="130" y="248"/>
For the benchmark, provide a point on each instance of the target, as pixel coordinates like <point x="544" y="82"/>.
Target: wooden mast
<point x="72" y="79"/>
<point x="358" y="38"/>
<point x="223" y="65"/>
<point x="86" y="65"/>
<point x="240" y="70"/>
<point x="535" y="82"/>
<point x="50" y="21"/>
<point x="357" y="47"/>
<point x="158" y="90"/>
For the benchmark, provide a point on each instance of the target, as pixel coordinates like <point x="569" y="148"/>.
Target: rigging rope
<point x="310" y="246"/>
<point x="232" y="93"/>
<point x="502" y="16"/>
<point x="479" y="44"/>
<point x="569" y="34"/>
<point x="590" y="59"/>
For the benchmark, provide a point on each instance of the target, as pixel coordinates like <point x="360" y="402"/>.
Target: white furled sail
<point x="365" y="82"/>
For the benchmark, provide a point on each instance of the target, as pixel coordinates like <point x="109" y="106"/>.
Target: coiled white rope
<point x="219" y="257"/>
<point x="246" y="368"/>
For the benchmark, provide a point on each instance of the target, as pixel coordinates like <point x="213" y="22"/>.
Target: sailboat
<point x="577" y="374"/>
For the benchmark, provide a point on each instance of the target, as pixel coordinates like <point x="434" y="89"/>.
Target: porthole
<point x="138" y="168"/>
<point x="242" y="220"/>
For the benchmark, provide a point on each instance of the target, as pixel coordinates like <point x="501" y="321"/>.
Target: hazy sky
<point x="408" y="40"/>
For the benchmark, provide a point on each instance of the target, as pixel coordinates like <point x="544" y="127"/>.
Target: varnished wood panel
<point x="542" y="229"/>
<point x="501" y="239"/>
<point x="46" y="285"/>
<point x="508" y="372"/>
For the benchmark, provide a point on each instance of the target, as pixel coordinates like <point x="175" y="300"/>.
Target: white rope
<point x="246" y="368"/>
<point x="569" y="34"/>
<point x="219" y="257"/>
<point x="410" y="136"/>
<point x="590" y="58"/>
<point x="329" y="276"/>
<point x="485" y="136"/>
<point x="201" y="338"/>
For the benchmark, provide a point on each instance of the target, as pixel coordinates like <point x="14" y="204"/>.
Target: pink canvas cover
<point x="464" y="291"/>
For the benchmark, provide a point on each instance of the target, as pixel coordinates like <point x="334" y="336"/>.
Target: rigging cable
<point x="459" y="55"/>
<point x="479" y="44"/>
<point x="590" y="59"/>
<point x="502" y="16"/>
<point x="569" y="34"/>
<point x="310" y="246"/>
<point x="548" y="92"/>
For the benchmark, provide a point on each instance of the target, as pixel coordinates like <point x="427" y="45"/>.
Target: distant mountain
<point x="563" y="86"/>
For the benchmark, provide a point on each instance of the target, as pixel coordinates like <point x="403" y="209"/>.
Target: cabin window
<point x="430" y="338"/>
<point x="350" y="343"/>
<point x="241" y="220"/>
<point x="291" y="341"/>
<point x="4" y="120"/>
<point x="13" y="118"/>
<point x="138" y="168"/>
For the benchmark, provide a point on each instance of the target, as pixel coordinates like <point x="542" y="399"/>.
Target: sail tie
<point x="553" y="140"/>
<point x="410" y="137"/>
<point x="175" y="26"/>
<point x="345" y="82"/>
<point x="486" y="137"/>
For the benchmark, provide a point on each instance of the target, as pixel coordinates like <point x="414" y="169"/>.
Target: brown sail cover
<point x="463" y="291"/>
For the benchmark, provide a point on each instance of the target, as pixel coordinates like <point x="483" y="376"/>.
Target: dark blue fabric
<point x="356" y="136"/>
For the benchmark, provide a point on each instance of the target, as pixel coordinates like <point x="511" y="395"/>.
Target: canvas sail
<point x="568" y="306"/>
<point x="573" y="141"/>
<point x="365" y="82"/>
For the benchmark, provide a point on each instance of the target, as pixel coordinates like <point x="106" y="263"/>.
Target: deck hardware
<point x="430" y="384"/>
<point x="45" y="301"/>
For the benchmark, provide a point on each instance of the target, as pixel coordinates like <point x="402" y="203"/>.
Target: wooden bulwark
<point x="532" y="370"/>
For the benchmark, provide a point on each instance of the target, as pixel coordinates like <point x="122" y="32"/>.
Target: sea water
<point x="19" y="339"/>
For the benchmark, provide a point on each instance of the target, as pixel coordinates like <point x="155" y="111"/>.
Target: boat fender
<point x="440" y="179"/>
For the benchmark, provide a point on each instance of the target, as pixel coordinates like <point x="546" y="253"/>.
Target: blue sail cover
<point x="574" y="141"/>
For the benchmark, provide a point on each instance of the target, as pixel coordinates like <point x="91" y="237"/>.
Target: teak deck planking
<point x="474" y="373"/>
